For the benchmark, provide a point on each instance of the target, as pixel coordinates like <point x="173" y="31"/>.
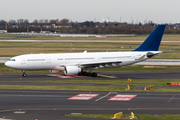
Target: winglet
<point x="153" y="41"/>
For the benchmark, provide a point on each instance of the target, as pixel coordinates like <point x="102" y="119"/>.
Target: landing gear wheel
<point x="80" y="74"/>
<point x="89" y="74"/>
<point x="84" y="73"/>
<point x="94" y="74"/>
<point x="24" y="75"/>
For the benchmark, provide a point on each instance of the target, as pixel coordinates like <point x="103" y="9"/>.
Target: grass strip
<point x="156" y="82"/>
<point x="62" y="87"/>
<point x="9" y="49"/>
<point x="166" y="37"/>
<point x="126" y="116"/>
<point x="83" y="88"/>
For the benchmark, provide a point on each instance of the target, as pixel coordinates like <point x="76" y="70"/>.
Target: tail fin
<point x="153" y="41"/>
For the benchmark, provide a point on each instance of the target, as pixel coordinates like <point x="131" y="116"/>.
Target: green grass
<point x="170" y="55"/>
<point x="9" y="49"/>
<point x="44" y="37"/>
<point x="147" y="82"/>
<point x="62" y="87"/>
<point x="126" y="116"/>
<point x="100" y="116"/>
<point x="83" y="88"/>
<point x="17" y="48"/>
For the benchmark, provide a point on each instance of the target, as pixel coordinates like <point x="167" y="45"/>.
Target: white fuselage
<point x="60" y="60"/>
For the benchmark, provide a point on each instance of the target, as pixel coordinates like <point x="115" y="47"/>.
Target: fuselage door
<point x="48" y="60"/>
<point x="23" y="60"/>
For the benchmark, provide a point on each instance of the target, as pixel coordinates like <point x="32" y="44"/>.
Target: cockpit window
<point x="12" y="60"/>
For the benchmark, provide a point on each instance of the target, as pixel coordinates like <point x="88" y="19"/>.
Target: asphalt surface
<point x="101" y="76"/>
<point x="46" y="105"/>
<point x="7" y="79"/>
<point x="21" y="104"/>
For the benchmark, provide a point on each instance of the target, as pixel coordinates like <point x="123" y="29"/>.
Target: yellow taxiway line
<point x="102" y="97"/>
<point x="107" y="76"/>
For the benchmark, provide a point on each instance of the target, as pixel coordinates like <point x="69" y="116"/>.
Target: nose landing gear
<point x="24" y="74"/>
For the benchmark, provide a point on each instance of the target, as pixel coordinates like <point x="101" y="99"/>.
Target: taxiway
<point x="101" y="76"/>
<point x="54" y="104"/>
<point x="36" y="104"/>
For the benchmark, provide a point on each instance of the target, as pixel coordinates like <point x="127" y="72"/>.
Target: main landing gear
<point x="84" y="73"/>
<point x="24" y="74"/>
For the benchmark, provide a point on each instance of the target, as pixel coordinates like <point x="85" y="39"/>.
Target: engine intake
<point x="72" y="70"/>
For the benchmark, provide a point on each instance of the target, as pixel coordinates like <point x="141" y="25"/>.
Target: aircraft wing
<point x="97" y="64"/>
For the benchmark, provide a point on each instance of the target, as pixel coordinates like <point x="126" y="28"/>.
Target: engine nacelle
<point x="72" y="70"/>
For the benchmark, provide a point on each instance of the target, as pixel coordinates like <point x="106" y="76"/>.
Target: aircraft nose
<point x="7" y="63"/>
<point x="10" y="64"/>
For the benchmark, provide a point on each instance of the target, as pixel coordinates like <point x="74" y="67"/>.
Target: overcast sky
<point x="158" y="11"/>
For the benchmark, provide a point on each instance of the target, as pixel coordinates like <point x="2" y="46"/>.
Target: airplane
<point x="79" y="63"/>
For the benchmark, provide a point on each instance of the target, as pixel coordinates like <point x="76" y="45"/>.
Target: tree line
<point x="87" y="27"/>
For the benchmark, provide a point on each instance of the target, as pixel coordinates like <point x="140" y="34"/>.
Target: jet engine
<point x="72" y="70"/>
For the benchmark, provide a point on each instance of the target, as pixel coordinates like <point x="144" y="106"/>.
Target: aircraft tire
<point x="80" y="74"/>
<point x="84" y="73"/>
<point x="24" y="75"/>
<point x="94" y="74"/>
<point x="89" y="74"/>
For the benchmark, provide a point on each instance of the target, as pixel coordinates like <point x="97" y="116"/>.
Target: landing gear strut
<point x="24" y="74"/>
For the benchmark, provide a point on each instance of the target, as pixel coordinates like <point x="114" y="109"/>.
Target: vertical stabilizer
<point x="153" y="41"/>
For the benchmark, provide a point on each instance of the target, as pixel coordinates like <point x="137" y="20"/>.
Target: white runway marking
<point x="83" y="97"/>
<point x="89" y="95"/>
<point x="80" y="98"/>
<point x="171" y="98"/>
<point x="122" y="97"/>
<point x="20" y="112"/>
